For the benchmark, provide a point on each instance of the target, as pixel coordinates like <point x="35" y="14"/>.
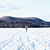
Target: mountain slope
<point x="22" y="22"/>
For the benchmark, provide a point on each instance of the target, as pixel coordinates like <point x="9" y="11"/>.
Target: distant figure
<point x="26" y="28"/>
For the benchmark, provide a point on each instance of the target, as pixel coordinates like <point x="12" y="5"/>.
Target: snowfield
<point x="19" y="39"/>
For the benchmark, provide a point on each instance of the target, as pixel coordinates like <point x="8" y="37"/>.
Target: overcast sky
<point x="25" y="8"/>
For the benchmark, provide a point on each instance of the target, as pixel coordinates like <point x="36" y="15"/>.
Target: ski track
<point x="19" y="39"/>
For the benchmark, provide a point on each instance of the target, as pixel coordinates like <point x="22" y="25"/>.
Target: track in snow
<point x="19" y="39"/>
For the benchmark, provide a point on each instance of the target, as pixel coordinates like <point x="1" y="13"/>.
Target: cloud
<point x="11" y="4"/>
<point x="9" y="7"/>
<point x="1" y="6"/>
<point x="15" y="6"/>
<point x="12" y="7"/>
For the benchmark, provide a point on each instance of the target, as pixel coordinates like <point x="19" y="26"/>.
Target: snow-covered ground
<point x="19" y="39"/>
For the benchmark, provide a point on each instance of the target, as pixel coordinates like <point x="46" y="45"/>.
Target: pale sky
<point x="25" y="8"/>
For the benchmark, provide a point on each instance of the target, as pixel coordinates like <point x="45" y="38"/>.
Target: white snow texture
<point x="19" y="39"/>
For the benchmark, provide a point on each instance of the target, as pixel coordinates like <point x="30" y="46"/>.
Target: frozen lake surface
<point x="19" y="39"/>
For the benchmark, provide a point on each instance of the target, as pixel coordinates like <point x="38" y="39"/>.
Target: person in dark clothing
<point x="26" y="28"/>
